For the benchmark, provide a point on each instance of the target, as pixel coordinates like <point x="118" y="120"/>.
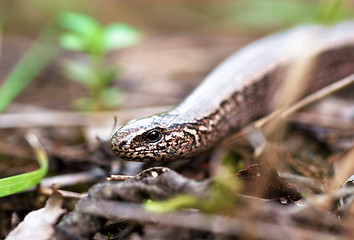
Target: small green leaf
<point x="119" y="35"/>
<point x="73" y="42"/>
<point x="84" y="33"/>
<point x="78" y="23"/>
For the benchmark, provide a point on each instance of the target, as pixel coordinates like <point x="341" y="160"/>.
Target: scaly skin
<point x="236" y="93"/>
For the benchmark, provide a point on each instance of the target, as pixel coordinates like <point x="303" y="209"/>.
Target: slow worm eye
<point x="153" y="136"/>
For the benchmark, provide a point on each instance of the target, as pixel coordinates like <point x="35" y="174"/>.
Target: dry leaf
<point x="39" y="224"/>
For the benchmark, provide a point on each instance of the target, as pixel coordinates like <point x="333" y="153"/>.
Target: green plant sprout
<point x="84" y="34"/>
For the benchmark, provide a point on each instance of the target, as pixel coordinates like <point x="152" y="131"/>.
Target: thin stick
<point x="65" y="194"/>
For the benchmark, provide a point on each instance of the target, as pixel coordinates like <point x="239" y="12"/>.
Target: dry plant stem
<point x="65" y="194"/>
<point x="200" y="221"/>
<point x="316" y="96"/>
<point x="343" y="170"/>
<point x="293" y="86"/>
<point x="326" y="91"/>
<point x="283" y="113"/>
<point x="33" y="140"/>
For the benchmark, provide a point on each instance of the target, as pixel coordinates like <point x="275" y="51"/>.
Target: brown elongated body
<point x="237" y="92"/>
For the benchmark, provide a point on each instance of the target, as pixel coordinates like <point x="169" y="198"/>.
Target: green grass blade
<point x="40" y="54"/>
<point x="18" y="183"/>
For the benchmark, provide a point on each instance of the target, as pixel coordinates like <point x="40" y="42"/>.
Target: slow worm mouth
<point x="142" y="156"/>
<point x="132" y="152"/>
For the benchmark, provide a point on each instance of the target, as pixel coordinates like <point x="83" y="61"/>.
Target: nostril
<point x="122" y="144"/>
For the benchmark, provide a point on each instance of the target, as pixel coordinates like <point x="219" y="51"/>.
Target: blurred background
<point x="176" y="44"/>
